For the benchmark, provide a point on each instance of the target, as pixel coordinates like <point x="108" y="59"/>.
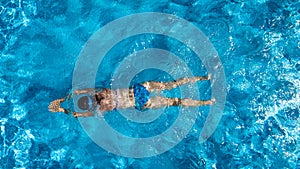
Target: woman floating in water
<point x="100" y="101"/>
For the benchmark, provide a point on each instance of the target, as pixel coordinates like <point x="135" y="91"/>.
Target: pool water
<point x="258" y="42"/>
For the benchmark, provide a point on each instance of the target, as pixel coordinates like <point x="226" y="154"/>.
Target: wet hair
<point x="84" y="103"/>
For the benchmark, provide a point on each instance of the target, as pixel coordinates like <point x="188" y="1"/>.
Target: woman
<point x="97" y="101"/>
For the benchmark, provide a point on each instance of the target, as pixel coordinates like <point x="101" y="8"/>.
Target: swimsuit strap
<point x="116" y="100"/>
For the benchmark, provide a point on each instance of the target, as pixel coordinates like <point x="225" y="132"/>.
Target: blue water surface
<point x="258" y="42"/>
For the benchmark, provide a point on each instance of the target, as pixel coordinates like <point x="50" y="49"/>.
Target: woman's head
<point x="85" y="103"/>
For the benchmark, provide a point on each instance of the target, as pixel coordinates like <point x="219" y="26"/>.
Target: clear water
<point x="258" y="44"/>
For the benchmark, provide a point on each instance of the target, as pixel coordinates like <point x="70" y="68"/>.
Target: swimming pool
<point x="257" y="42"/>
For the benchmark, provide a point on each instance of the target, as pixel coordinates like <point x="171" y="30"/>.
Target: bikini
<point x="140" y="93"/>
<point x="141" y="96"/>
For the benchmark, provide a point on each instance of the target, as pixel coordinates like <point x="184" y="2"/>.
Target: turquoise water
<point x="257" y="42"/>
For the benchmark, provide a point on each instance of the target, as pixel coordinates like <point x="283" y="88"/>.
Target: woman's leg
<point x="158" y="102"/>
<point x="158" y="86"/>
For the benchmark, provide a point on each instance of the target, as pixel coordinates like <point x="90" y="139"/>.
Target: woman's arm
<point x="55" y="106"/>
<point x="85" y="114"/>
<point x="87" y="90"/>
